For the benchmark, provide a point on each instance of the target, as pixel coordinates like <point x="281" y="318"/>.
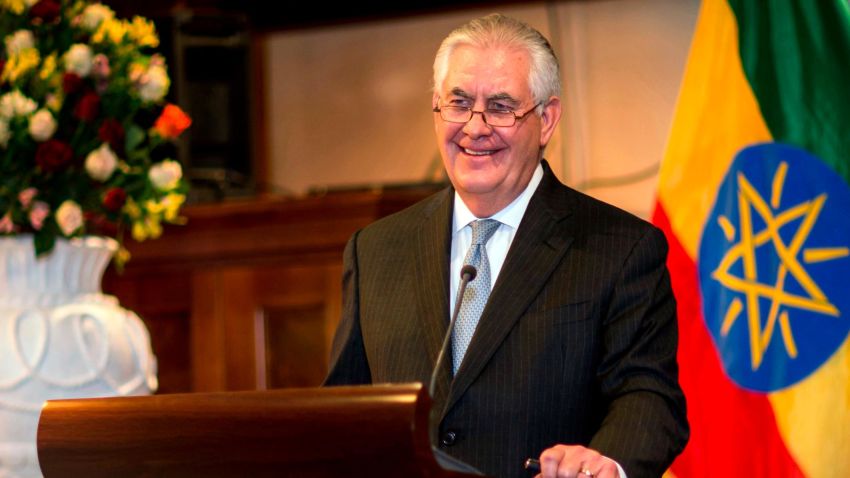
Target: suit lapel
<point x="431" y="259"/>
<point x="538" y="247"/>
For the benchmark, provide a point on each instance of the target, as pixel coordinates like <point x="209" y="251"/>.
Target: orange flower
<point x="172" y="121"/>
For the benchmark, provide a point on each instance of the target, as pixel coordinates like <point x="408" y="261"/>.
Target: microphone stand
<point x="448" y="462"/>
<point x="467" y="275"/>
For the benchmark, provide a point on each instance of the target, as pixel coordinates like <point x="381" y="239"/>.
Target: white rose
<point x="69" y="216"/>
<point x="14" y="104"/>
<point x="165" y="175"/>
<point x="94" y="15"/>
<point x="101" y="163"/>
<point x="19" y="41"/>
<point x="42" y="125"/>
<point x="79" y="60"/>
<point x="4" y="132"/>
<point x="7" y="109"/>
<point x="154" y="84"/>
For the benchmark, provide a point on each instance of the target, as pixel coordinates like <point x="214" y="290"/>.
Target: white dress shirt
<point x="498" y="245"/>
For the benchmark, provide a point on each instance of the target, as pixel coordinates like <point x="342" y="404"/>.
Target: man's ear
<point x="549" y="119"/>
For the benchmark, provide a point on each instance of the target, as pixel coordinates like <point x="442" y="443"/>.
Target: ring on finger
<point x="586" y="472"/>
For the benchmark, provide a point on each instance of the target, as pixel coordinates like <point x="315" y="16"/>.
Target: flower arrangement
<point x="86" y="136"/>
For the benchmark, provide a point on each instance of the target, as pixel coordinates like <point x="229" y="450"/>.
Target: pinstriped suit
<point x="577" y="344"/>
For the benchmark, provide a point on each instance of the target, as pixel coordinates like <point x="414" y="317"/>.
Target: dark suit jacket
<point x="577" y="344"/>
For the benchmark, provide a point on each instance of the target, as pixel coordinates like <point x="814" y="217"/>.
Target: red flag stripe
<point x="733" y="431"/>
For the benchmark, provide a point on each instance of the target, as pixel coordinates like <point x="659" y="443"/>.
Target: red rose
<point x="114" y="199"/>
<point x="88" y="107"/>
<point x="45" y="10"/>
<point x="112" y="132"/>
<point x="71" y="83"/>
<point x="99" y="224"/>
<point x="53" y="155"/>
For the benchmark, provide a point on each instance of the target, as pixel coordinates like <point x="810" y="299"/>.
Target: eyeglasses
<point x="462" y="114"/>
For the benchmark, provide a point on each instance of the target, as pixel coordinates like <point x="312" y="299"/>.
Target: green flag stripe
<point x="796" y="56"/>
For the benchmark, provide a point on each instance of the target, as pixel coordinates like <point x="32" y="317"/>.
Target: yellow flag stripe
<point x="813" y="417"/>
<point x="716" y="116"/>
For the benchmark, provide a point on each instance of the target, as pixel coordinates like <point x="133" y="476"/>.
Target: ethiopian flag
<point x="754" y="195"/>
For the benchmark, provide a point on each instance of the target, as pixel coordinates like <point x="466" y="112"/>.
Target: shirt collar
<point x="510" y="215"/>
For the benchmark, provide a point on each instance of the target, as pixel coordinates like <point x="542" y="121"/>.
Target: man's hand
<point x="574" y="461"/>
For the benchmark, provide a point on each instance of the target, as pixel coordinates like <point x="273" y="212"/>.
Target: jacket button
<point x="448" y="438"/>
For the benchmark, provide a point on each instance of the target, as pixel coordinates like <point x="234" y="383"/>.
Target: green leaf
<point x="44" y="242"/>
<point x="134" y="137"/>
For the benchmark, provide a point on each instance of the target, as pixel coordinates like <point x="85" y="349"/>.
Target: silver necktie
<point x="477" y="292"/>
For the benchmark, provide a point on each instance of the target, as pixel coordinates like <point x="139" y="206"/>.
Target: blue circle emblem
<point x="774" y="264"/>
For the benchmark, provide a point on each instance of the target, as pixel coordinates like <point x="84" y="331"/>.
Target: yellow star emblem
<point x="751" y="286"/>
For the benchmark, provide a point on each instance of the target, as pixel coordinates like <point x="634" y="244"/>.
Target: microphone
<point x="467" y="275"/>
<point x="446" y="461"/>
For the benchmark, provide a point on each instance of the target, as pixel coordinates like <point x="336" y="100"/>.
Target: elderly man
<point x="565" y="346"/>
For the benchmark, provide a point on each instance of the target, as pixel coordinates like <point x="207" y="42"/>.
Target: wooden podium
<point x="368" y="431"/>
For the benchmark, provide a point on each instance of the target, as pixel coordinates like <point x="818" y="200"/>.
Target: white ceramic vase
<point x="60" y="337"/>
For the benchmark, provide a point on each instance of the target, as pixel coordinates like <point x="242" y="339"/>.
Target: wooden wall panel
<point x="247" y="295"/>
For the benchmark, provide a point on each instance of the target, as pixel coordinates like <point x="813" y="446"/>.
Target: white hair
<point x="497" y="30"/>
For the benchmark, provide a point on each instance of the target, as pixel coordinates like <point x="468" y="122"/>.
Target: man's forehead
<point x="502" y="68"/>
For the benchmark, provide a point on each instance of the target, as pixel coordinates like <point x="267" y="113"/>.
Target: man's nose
<point x="476" y="126"/>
